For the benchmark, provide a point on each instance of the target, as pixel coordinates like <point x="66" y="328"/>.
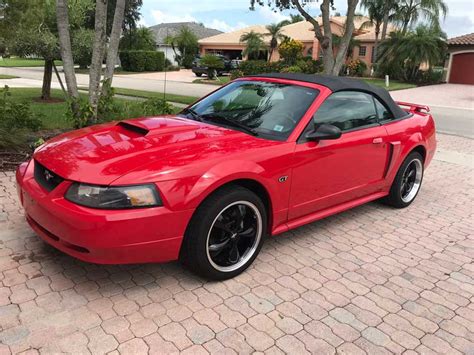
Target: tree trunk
<point x="62" y="15"/>
<point x="112" y="50"/>
<point x="346" y="38"/>
<point x="332" y="65"/>
<point x="47" y="76"/>
<point x="98" y="50"/>
<point x="385" y="20"/>
<point x="325" y="39"/>
<point x="376" y="42"/>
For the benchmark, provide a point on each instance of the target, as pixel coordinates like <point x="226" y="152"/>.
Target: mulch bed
<point x="11" y="158"/>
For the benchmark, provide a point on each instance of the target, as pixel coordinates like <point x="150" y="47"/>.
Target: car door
<point x="330" y="172"/>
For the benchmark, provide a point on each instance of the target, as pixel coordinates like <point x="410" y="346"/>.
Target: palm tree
<point x="254" y="44"/>
<point x="293" y="19"/>
<point x="376" y="15"/>
<point x="410" y="11"/>
<point x="424" y="45"/>
<point x="389" y="12"/>
<point x="274" y="31"/>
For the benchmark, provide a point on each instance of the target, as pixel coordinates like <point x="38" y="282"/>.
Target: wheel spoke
<point x="234" y="254"/>
<point x="218" y="247"/>
<point x="241" y="211"/>
<point x="223" y="226"/>
<point x="249" y="232"/>
<point x="411" y="173"/>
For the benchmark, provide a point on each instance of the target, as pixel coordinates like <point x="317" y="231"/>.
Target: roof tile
<point x="463" y="40"/>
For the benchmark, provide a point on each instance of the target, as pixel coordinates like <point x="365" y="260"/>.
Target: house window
<point x="362" y="51"/>
<point x="372" y="57"/>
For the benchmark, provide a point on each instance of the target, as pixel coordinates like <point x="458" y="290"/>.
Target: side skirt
<point x="295" y="223"/>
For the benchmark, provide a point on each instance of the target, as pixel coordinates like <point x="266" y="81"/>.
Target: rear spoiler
<point x="414" y="107"/>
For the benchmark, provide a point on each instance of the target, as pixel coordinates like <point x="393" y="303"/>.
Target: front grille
<point x="46" y="178"/>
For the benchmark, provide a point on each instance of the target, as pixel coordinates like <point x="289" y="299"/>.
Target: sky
<point x="228" y="15"/>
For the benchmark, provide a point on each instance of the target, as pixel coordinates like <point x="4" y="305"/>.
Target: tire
<point x="198" y="74"/>
<point x="216" y="245"/>
<point x="401" y="195"/>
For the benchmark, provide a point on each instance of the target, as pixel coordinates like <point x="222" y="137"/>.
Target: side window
<point x="383" y="113"/>
<point x="347" y="110"/>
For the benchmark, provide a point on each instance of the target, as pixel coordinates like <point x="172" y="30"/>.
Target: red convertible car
<point x="259" y="156"/>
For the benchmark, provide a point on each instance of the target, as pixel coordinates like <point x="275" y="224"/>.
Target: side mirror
<point x="324" y="131"/>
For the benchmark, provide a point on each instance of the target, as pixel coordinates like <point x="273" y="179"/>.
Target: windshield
<point x="263" y="108"/>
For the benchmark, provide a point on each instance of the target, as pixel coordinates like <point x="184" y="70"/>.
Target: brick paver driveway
<point x="373" y="279"/>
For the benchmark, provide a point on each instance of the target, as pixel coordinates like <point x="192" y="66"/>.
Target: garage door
<point x="462" y="69"/>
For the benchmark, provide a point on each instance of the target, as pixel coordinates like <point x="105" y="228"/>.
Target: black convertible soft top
<point x="337" y="83"/>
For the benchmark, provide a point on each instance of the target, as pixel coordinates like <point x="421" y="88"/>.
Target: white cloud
<point x="224" y="26"/>
<point x="167" y="17"/>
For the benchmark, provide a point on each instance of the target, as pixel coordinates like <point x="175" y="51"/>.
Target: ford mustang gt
<point x="257" y="157"/>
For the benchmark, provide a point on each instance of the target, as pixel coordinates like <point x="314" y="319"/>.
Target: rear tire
<point x="225" y="234"/>
<point x="407" y="182"/>
<point x="198" y="74"/>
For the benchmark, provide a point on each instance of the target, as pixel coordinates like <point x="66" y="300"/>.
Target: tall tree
<point x="29" y="30"/>
<point x="254" y="44"/>
<point x="98" y="50"/>
<point x="293" y="19"/>
<point x="410" y="11"/>
<point x="389" y="11"/>
<point x="114" y="42"/>
<point x="185" y="46"/>
<point x="62" y="15"/>
<point x="332" y="61"/>
<point x="375" y="9"/>
<point x="408" y="51"/>
<point x="275" y="33"/>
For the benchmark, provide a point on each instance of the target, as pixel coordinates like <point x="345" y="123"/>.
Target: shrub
<point x="356" y="67"/>
<point x="16" y="115"/>
<point x="213" y="64"/>
<point x="139" y="61"/>
<point x="16" y="119"/>
<point x="310" y="66"/>
<point x="429" y="77"/>
<point x="253" y="67"/>
<point x="235" y="74"/>
<point x="291" y="50"/>
<point x="292" y="69"/>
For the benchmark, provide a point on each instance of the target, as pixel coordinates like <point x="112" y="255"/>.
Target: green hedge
<point x="303" y="65"/>
<point x="138" y="61"/>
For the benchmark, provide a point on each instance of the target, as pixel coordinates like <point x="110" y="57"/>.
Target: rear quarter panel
<point x="407" y="134"/>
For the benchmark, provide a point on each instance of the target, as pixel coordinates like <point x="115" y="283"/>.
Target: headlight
<point x="114" y="197"/>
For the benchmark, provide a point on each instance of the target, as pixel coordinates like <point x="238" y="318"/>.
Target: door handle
<point x="377" y="140"/>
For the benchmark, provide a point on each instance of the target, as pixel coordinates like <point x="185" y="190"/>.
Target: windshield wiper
<point x="216" y="117"/>
<point x="193" y="113"/>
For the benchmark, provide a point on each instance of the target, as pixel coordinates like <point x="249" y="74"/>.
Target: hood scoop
<point x="142" y="131"/>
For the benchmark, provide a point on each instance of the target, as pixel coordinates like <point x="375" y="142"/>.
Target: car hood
<point x="103" y="153"/>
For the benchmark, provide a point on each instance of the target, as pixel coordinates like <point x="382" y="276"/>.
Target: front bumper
<point x="100" y="236"/>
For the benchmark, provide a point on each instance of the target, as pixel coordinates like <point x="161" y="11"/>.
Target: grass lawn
<point x="394" y="84"/>
<point x="54" y="113"/>
<point x="4" y="76"/>
<point x="221" y="80"/>
<point x="24" y="62"/>
<point x="149" y="94"/>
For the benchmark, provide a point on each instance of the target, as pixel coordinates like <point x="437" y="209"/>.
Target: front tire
<point x="225" y="234"/>
<point x="407" y="182"/>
